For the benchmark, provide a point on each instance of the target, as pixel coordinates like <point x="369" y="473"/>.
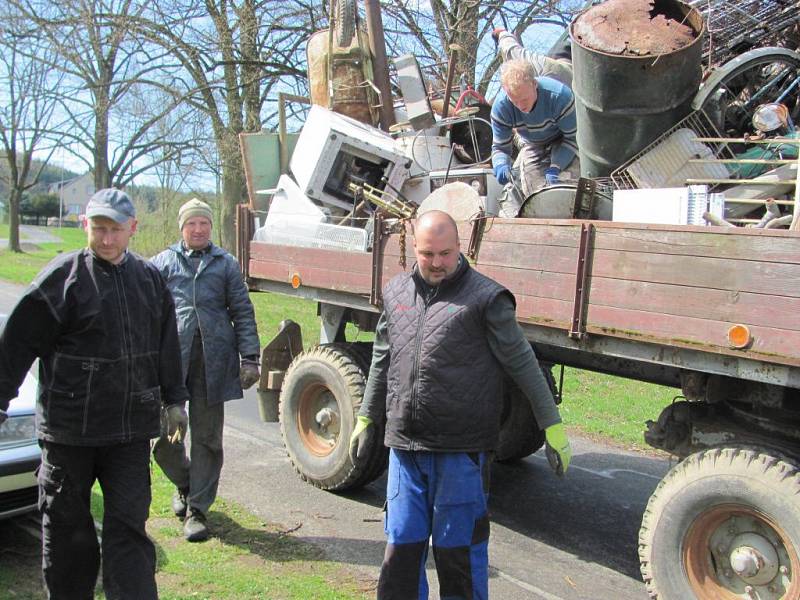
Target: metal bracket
<point x="475" y="236"/>
<point x="578" y="328"/>
<point x="377" y="261"/>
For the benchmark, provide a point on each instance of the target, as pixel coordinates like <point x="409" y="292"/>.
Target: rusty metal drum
<point x="631" y="84"/>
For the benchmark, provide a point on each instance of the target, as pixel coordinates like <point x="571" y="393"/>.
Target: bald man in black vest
<point x="445" y="338"/>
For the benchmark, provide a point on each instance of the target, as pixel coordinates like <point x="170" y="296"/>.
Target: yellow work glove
<point x="361" y="438"/>
<point x="177" y="422"/>
<point x="558" y="450"/>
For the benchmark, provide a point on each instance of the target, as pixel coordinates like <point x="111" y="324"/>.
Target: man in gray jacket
<point x="220" y="357"/>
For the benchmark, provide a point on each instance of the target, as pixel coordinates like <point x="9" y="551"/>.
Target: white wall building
<point x="74" y="193"/>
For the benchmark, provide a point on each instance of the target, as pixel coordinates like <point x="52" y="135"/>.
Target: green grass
<point x="245" y="559"/>
<point x="612" y="408"/>
<point x="271" y="309"/>
<point x="22" y="267"/>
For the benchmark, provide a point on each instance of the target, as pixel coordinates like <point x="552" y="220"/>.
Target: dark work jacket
<point x="214" y="299"/>
<point x="444" y="385"/>
<point x="107" y="344"/>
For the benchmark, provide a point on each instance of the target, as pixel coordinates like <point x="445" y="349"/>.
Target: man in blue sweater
<point x="556" y="64"/>
<point x="542" y="112"/>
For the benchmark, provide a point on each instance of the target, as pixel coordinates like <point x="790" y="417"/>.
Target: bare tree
<point x="430" y="28"/>
<point x="103" y="65"/>
<point x="177" y="166"/>
<point x="27" y="103"/>
<point x="234" y="53"/>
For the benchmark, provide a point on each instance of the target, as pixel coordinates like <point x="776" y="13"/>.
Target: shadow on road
<point x="291" y="544"/>
<point x="593" y="513"/>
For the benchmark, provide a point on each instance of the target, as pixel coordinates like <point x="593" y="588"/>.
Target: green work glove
<point x="361" y="438"/>
<point x="177" y="422"/>
<point x="558" y="451"/>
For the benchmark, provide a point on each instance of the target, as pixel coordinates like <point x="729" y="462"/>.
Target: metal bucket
<point x="624" y="102"/>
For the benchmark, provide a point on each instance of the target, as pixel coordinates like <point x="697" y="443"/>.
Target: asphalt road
<point x="571" y="539"/>
<point x="551" y="539"/>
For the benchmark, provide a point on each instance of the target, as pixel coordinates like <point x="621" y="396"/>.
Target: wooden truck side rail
<point x="655" y="294"/>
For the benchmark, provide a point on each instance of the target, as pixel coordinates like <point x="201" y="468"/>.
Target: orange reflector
<point x="739" y="336"/>
<point x="296" y="281"/>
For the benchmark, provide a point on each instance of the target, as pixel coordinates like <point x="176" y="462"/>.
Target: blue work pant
<point x="440" y="496"/>
<point x="71" y="554"/>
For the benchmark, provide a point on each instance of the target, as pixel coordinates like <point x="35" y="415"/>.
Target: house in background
<point x="74" y="193"/>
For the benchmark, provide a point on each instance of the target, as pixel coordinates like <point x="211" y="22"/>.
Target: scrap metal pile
<point x="731" y="157"/>
<point x="684" y="117"/>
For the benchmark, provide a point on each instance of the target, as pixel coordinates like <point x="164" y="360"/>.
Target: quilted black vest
<point x="444" y="388"/>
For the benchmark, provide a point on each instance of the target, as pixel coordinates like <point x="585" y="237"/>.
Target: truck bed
<point x="643" y="301"/>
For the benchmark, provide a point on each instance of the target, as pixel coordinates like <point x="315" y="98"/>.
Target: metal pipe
<point x="745" y="161"/>
<point x="451" y="72"/>
<point x="795" y="225"/>
<point x="757" y="201"/>
<point x="738" y="181"/>
<point x="749" y="140"/>
<point x="330" y="54"/>
<point x="380" y="67"/>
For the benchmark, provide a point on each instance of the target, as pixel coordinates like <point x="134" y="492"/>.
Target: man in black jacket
<point x="446" y="335"/>
<point x="101" y="321"/>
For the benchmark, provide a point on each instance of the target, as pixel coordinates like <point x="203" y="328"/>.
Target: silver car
<point x="19" y="452"/>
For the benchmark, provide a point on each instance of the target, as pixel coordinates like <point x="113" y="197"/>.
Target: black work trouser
<point x="71" y="554"/>
<point x="198" y="474"/>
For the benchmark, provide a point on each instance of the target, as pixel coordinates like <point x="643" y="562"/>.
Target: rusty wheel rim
<point x="717" y="534"/>
<point x="318" y="419"/>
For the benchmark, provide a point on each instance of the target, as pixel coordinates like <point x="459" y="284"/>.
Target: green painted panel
<point x="261" y="152"/>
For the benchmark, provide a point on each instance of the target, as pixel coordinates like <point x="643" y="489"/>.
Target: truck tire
<point x="721" y="521"/>
<point x="321" y="394"/>
<point x="344" y="24"/>
<point x="520" y="435"/>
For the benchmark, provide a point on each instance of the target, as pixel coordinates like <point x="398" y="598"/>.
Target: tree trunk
<point x="464" y="32"/>
<point x="13" y="221"/>
<point x="102" y="172"/>
<point x="233" y="190"/>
